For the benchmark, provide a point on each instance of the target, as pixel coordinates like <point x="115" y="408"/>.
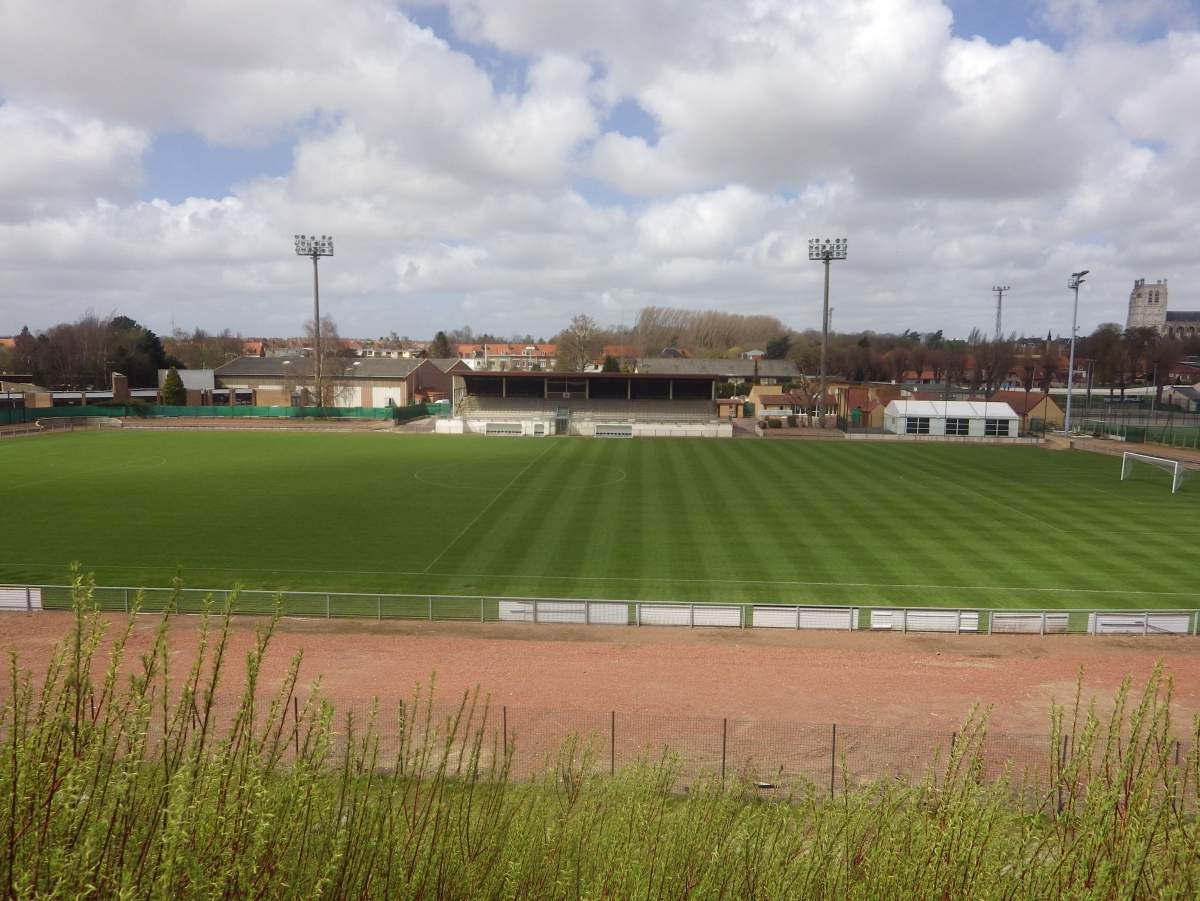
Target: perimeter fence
<point x="220" y="411"/>
<point x="775" y="759"/>
<point x="610" y="612"/>
<point x="1170" y="427"/>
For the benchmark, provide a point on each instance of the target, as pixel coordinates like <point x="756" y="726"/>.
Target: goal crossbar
<point x="1174" y="467"/>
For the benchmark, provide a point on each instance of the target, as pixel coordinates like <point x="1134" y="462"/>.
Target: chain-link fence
<point x="610" y="612"/>
<point x="777" y="759"/>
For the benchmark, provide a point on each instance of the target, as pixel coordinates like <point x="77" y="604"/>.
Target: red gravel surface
<point x="877" y="680"/>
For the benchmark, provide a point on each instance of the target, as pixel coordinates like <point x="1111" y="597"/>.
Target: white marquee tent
<point x="951" y="419"/>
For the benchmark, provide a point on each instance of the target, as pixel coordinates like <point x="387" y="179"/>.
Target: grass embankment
<point x="860" y="523"/>
<point x="130" y="787"/>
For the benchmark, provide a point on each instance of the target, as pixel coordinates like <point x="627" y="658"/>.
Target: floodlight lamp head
<point x="314" y="246"/>
<point x="827" y="249"/>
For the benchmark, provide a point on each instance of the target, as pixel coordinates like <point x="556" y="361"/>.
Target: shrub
<point x="792" y="421"/>
<point x="173" y="393"/>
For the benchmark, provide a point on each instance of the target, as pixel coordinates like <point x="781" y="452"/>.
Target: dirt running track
<point x="883" y="681"/>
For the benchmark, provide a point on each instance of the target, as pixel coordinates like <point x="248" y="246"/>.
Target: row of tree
<point x="83" y="354"/>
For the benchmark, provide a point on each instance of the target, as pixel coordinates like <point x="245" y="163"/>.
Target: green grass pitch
<point x="686" y="520"/>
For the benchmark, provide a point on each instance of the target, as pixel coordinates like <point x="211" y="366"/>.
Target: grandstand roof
<point x="554" y="374"/>
<point x="302" y="367"/>
<point x="701" y="366"/>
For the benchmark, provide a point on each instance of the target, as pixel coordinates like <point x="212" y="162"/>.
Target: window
<point x="956" y="427"/>
<point x="917" y="425"/>
<point x="996" y="427"/>
<point x="766" y="381"/>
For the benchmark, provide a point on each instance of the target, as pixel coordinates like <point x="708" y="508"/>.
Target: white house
<point x="951" y="419"/>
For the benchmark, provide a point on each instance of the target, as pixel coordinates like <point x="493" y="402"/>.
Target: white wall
<point x="381" y="396"/>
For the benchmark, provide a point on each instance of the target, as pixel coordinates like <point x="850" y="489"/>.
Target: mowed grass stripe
<point x="740" y="520"/>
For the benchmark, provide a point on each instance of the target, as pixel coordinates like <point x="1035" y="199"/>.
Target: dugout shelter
<point x="594" y="404"/>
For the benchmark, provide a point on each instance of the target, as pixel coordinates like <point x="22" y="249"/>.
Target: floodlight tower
<point x="312" y="246"/>
<point x="1076" y="281"/>
<point x="826" y="251"/>
<point x="999" y="290"/>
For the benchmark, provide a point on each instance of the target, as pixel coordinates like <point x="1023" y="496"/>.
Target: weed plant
<point x="132" y="786"/>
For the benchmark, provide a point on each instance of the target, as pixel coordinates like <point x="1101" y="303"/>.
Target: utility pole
<point x="312" y="246"/>
<point x="825" y="251"/>
<point x="1076" y="281"/>
<point x="999" y="290"/>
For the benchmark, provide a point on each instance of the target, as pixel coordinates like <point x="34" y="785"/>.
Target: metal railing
<point x="616" y="612"/>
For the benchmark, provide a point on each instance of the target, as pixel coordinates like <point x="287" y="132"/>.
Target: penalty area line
<point x="486" y="507"/>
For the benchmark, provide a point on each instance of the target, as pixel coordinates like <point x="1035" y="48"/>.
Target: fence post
<point x="126" y="600"/>
<point x="328" y="607"/>
<point x="990" y="614"/>
<point x="725" y="734"/>
<point x="637" y="614"/>
<point x="612" y="743"/>
<point x="1146" y="623"/>
<point x="28" y="600"/>
<point x="958" y="622"/>
<point x="379" y="607"/>
<point x="904" y="619"/>
<point x="691" y="616"/>
<point x="1043" y="622"/>
<point x="430" y="599"/>
<point x="833" y="760"/>
<point x="481" y="609"/>
<point x="535" y="611"/>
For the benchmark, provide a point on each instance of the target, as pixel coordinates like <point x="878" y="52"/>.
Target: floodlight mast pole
<point x="1076" y="281"/>
<point x="825" y="251"/>
<point x="999" y="290"/>
<point x="316" y="247"/>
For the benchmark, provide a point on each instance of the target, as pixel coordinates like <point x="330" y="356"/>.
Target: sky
<point x="510" y="163"/>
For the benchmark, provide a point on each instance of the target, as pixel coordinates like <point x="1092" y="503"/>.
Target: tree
<point x="173" y="393"/>
<point x="577" y="344"/>
<point x="1103" y="346"/>
<point x="611" y="364"/>
<point x="777" y="347"/>
<point x="440" y="348"/>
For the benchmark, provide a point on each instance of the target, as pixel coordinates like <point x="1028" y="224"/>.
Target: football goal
<point x="1174" y="467"/>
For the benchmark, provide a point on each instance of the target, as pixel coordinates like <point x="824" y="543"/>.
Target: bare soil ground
<point x="912" y="682"/>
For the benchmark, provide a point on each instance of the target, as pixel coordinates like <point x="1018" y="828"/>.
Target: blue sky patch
<point x="179" y="165"/>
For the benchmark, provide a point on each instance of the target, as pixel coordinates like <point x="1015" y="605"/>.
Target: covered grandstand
<point x="596" y="404"/>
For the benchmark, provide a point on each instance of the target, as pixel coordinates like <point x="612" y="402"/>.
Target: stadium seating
<point x="609" y="411"/>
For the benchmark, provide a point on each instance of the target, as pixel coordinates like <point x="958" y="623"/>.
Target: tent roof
<point x="957" y="409"/>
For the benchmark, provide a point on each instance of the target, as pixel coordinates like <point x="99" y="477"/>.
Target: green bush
<point x="792" y="421"/>
<point x="173" y="393"/>
<point x="774" y="422"/>
<point x="124" y="784"/>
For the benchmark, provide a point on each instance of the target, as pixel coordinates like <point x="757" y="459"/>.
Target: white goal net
<point x="1174" y="467"/>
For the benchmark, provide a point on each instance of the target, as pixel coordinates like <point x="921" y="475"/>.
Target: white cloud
<point x="949" y="164"/>
<point x="52" y="162"/>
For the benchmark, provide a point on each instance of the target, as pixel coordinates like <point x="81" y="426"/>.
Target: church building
<point x="1148" y="309"/>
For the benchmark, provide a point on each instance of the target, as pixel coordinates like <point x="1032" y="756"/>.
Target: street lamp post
<point x="999" y="290"/>
<point x="316" y="247"/>
<point x="1076" y="281"/>
<point x="825" y="251"/>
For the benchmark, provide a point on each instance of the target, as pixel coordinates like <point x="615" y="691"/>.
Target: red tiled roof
<point x="619" y="350"/>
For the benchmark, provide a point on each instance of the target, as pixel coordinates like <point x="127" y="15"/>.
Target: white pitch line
<point x="488" y="506"/>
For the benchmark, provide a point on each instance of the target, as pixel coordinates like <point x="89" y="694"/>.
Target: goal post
<point x="1174" y="467"/>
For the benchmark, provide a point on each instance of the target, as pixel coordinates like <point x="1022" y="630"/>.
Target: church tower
<point x="1147" y="305"/>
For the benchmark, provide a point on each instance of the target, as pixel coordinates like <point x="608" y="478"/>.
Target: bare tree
<point x="578" y="344"/>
